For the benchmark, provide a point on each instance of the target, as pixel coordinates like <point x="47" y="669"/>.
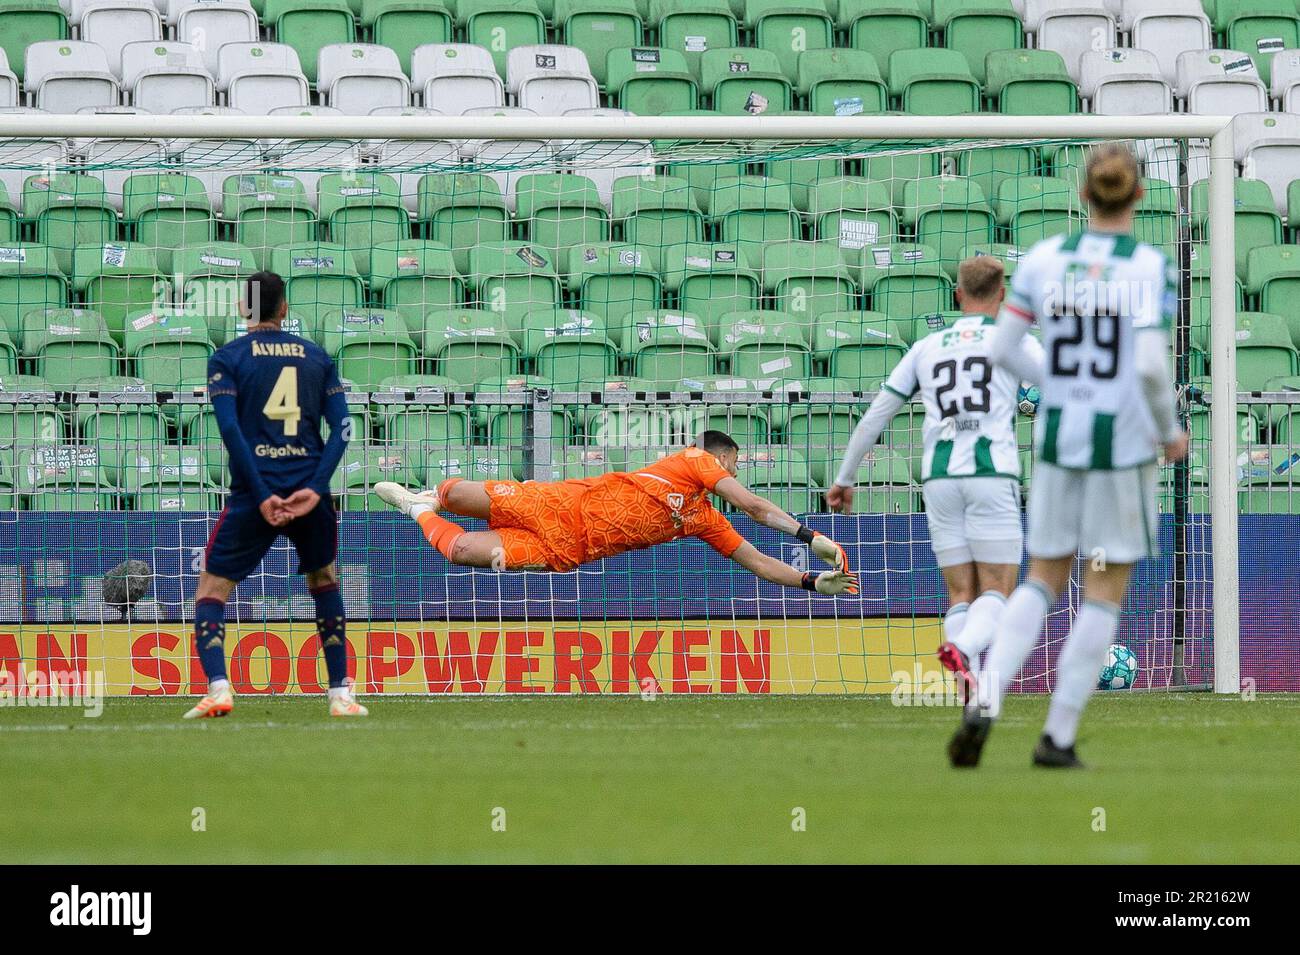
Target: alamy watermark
<point x="78" y="689"/>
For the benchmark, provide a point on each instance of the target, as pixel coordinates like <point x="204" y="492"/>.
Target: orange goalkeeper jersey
<point x="665" y="501"/>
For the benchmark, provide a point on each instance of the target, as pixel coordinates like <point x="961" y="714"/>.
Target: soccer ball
<point x="1027" y="399"/>
<point x="1121" y="669"/>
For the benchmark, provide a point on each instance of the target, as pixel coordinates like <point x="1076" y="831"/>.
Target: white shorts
<point x="974" y="519"/>
<point x="1107" y="514"/>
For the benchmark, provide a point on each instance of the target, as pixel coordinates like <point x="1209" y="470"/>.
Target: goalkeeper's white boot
<point x="406" y="500"/>
<point x="345" y="704"/>
<point x="218" y="703"/>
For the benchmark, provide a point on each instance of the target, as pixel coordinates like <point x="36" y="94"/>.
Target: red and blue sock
<point x="210" y="637"/>
<point x="331" y="625"/>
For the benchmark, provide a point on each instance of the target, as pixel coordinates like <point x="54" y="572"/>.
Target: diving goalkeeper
<point x="558" y="525"/>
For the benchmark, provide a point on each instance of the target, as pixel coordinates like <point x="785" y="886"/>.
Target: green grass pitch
<point x="1179" y="778"/>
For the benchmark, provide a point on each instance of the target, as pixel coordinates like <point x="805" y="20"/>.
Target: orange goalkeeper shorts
<point x="540" y="525"/>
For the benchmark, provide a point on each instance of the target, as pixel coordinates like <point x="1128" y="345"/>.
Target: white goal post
<point x="910" y="129"/>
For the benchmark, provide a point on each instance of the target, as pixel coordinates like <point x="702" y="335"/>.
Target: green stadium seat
<point x="852" y="211"/>
<point x="1260" y="28"/>
<point x="904" y="280"/>
<point x="1010" y="255"/>
<point x="1156" y="219"/>
<point x="1035" y="207"/>
<point x="413" y="277"/>
<point x="24" y="22"/>
<point x="650" y="81"/>
<point x="462" y="211"/>
<point x="751" y="211"/>
<point x="990" y="166"/>
<point x="897" y="170"/>
<point x="365" y="466"/>
<point x="567" y="346"/>
<point x="1264" y="349"/>
<point x="976" y="28"/>
<point x="881" y="27"/>
<point x="168" y="348"/>
<point x="8" y="354"/>
<point x="762" y="345"/>
<point x="318" y="278"/>
<point x="402" y="25"/>
<point x="813" y="425"/>
<point x="789" y="28"/>
<point x="25" y="425"/>
<point x="8" y="217"/>
<point x="167" y="211"/>
<point x="168" y="478"/>
<point x="68" y="345"/>
<point x="1293" y="208"/>
<point x="807" y="279"/>
<point x="857" y="348"/>
<point x="308" y="25"/>
<point x="947" y="214"/>
<point x="1268" y="482"/>
<point x="742" y="81"/>
<point x="781" y="476"/>
<point x="598" y="27"/>
<point x="665" y="346"/>
<point x="656" y="212"/>
<point x="1272" y="276"/>
<point x="746" y="423"/>
<point x="425" y="429"/>
<point x="368" y="345"/>
<point x="707" y="175"/>
<point x="64" y="477"/>
<point x="30" y="278"/>
<point x="693" y="27"/>
<point x="213" y="275"/>
<point x="469" y="345"/>
<point x="473" y="463"/>
<point x="268" y="211"/>
<point x="801" y="175"/>
<point x="68" y="210"/>
<point x="885" y="483"/>
<point x="614" y="279"/>
<point x="841" y="82"/>
<point x="710" y="280"/>
<point x="1255" y="221"/>
<point x="932" y="82"/>
<point x="117" y="279"/>
<point x="514" y="278"/>
<point x="906" y="435"/>
<point x="120" y="433"/>
<point x="560" y="212"/>
<point x="501" y="25"/>
<point x="360" y="211"/>
<point x="1030" y="83"/>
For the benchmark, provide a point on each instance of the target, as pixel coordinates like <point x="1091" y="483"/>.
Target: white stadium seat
<point x="1285" y="78"/>
<point x="516" y="157"/>
<point x="602" y="162"/>
<point x="113" y="161"/>
<point x="420" y="157"/>
<point x="551" y="79"/>
<point x="260" y="77"/>
<point x="164" y="76"/>
<point x="62" y="76"/>
<point x="211" y="24"/>
<point x="360" y="77"/>
<point x="1123" y="83"/>
<point x="455" y="77"/>
<point x="115" y="23"/>
<point x="312" y="158"/>
<point x="172" y="9"/>
<point x="212" y="160"/>
<point x="1220" y="83"/>
<point x="1167" y="28"/>
<point x="8" y="84"/>
<point x="1268" y="148"/>
<point x="1071" y="28"/>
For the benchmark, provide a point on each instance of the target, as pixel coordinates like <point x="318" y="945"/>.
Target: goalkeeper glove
<point x="829" y="551"/>
<point x="831" y="583"/>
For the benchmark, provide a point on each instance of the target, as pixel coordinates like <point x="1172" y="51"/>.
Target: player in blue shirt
<point x="269" y="392"/>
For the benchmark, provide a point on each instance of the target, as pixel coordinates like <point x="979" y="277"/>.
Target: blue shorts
<point x="241" y="539"/>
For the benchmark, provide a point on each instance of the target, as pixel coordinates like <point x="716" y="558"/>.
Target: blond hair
<point x="980" y="277"/>
<point x="1112" y="179"/>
